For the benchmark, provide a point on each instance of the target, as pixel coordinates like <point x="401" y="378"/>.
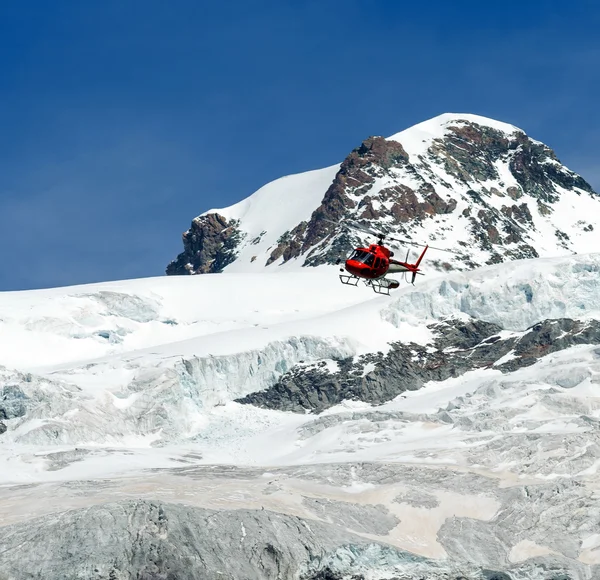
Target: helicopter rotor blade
<point x="365" y="229"/>
<point x="421" y="245"/>
<point x="382" y="236"/>
<point x="352" y="224"/>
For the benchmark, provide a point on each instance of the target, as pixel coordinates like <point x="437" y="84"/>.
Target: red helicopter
<point x="373" y="263"/>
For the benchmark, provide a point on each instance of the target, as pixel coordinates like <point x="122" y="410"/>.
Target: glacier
<point x="128" y="392"/>
<point x="166" y="390"/>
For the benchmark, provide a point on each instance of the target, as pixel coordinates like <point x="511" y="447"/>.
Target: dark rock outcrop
<point x="209" y="245"/>
<point x="459" y="347"/>
<point x="374" y="158"/>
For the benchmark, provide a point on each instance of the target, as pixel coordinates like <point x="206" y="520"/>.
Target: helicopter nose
<point x="356" y="268"/>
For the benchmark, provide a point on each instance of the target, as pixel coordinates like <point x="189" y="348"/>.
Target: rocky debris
<point x="208" y="246"/>
<point x="519" y="213"/>
<point x="459" y="346"/>
<point x="3" y="428"/>
<point x="417" y="498"/>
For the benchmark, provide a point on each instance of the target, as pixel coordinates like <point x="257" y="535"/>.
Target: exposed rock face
<point x="208" y="246"/>
<point x="459" y="347"/>
<point x="154" y="540"/>
<point x="494" y="189"/>
<point x="357" y="174"/>
<point x="492" y="532"/>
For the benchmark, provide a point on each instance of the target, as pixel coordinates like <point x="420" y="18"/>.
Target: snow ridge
<point x="418" y="139"/>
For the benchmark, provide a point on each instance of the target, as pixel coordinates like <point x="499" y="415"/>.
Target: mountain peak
<point x="437" y="125"/>
<point x="458" y="181"/>
<point x="418" y="138"/>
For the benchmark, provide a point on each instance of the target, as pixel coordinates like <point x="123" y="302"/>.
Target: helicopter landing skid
<point x="382" y="285"/>
<point x="349" y="280"/>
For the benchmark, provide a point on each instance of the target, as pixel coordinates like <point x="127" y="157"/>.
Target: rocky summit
<point x="480" y="187"/>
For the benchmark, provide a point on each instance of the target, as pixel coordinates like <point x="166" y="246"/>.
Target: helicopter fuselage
<point x="374" y="262"/>
<point x="369" y="263"/>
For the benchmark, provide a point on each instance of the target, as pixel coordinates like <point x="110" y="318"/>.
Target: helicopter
<point x="372" y="264"/>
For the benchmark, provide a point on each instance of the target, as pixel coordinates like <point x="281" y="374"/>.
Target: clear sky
<point x="121" y="120"/>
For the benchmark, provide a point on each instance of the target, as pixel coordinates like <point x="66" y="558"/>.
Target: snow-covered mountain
<point x="268" y="422"/>
<point x="476" y="185"/>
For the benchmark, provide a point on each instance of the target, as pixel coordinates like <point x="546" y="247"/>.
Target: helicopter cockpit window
<point x="362" y="256"/>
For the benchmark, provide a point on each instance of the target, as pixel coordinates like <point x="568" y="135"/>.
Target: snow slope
<point x="274" y="209"/>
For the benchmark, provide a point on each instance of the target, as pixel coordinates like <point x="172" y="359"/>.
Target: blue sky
<point x="122" y="120"/>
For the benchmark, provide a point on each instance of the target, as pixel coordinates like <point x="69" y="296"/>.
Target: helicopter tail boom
<point x="420" y="257"/>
